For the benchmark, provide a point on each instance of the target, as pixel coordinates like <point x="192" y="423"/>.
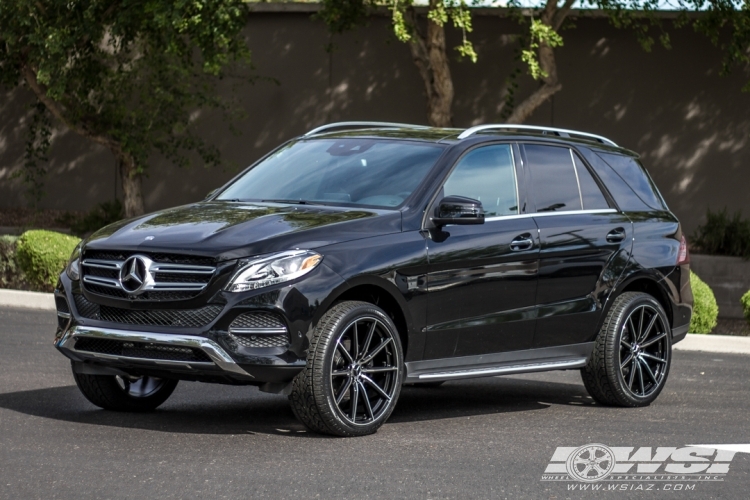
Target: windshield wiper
<point x="292" y="202"/>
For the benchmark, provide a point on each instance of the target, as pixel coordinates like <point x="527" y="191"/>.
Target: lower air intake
<point x="143" y="350"/>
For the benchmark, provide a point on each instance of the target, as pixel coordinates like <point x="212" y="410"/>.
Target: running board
<point x="507" y="363"/>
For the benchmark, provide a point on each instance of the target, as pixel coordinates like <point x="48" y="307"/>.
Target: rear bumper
<point x="679" y="333"/>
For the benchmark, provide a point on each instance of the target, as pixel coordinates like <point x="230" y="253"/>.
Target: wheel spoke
<point x="340" y="373"/>
<point x="368" y="407"/>
<point x="650" y="326"/>
<point x="343" y="350"/>
<point x="627" y="360"/>
<point x="650" y="373"/>
<point x="379" y="369"/>
<point x="640" y="379"/>
<point x="653" y="358"/>
<point x="376" y="387"/>
<point x="343" y="390"/>
<point x="654" y="340"/>
<point x="640" y="325"/>
<point x="370" y="333"/>
<point x="375" y="352"/>
<point x="355" y="342"/>
<point x="630" y="347"/>
<point x="632" y="375"/>
<point x="633" y="335"/>
<point x="355" y="397"/>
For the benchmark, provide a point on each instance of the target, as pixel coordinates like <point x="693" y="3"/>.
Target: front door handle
<point x="522" y="242"/>
<point x="616" y="235"/>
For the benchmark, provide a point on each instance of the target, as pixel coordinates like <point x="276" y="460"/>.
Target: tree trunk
<point x="131" y="186"/>
<point x="554" y="17"/>
<point x="430" y="57"/>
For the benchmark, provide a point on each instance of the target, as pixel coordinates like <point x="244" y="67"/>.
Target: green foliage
<point x="745" y="301"/>
<point x="127" y="75"/>
<point x="539" y="33"/>
<point x="101" y="215"/>
<point x="345" y="15"/>
<point x="42" y="255"/>
<point x="723" y="234"/>
<point x="10" y="274"/>
<point x="705" y="309"/>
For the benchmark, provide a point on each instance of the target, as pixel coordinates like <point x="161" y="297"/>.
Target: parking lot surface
<point x="484" y="438"/>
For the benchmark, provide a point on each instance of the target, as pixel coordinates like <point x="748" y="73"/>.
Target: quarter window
<point x="591" y="195"/>
<point x="486" y="174"/>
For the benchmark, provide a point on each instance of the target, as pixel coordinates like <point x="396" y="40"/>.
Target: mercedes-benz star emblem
<point x="134" y="274"/>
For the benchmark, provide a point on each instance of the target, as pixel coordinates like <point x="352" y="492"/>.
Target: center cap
<point x="356" y="370"/>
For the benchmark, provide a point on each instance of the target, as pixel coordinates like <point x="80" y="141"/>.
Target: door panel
<point x="481" y="292"/>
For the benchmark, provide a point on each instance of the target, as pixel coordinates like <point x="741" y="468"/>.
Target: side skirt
<point x="503" y="363"/>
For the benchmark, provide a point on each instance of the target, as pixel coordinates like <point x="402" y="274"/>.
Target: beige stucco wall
<point x="690" y="125"/>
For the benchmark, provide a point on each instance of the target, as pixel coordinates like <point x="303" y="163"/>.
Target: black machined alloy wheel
<point x="354" y="372"/>
<point x="631" y="358"/>
<point x="117" y="393"/>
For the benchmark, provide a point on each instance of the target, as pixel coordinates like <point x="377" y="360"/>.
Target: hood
<point x="230" y="230"/>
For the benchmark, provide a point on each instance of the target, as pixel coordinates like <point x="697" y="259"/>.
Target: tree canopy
<point x="125" y="74"/>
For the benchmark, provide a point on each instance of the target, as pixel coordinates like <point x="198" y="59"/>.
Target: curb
<point x="728" y="344"/>
<point x="27" y="300"/>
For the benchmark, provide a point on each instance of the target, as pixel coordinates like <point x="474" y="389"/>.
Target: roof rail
<point x="362" y="125"/>
<point x="559" y="131"/>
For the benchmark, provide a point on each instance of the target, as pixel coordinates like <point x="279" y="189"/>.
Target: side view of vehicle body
<point x="362" y="256"/>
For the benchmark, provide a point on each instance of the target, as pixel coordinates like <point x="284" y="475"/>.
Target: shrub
<point x="101" y="215"/>
<point x="745" y="300"/>
<point x="42" y="255"/>
<point x="723" y="234"/>
<point x="705" y="309"/>
<point x="10" y="275"/>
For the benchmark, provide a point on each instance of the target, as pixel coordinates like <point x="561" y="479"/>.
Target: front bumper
<point x="189" y="353"/>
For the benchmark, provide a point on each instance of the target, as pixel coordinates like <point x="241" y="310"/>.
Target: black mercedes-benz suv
<point x="363" y="256"/>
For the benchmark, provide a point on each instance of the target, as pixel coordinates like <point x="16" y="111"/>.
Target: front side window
<point x="486" y="174"/>
<point x="369" y="172"/>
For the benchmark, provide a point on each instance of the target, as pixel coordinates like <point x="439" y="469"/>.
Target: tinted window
<point x="636" y="177"/>
<point x="624" y="196"/>
<point x="380" y="173"/>
<point x="486" y="174"/>
<point x="592" y="196"/>
<point x="554" y="184"/>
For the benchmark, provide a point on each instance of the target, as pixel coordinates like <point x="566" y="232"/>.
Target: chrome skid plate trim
<point x="213" y="350"/>
<point x="506" y="370"/>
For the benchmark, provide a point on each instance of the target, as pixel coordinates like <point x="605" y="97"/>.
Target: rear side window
<point x="636" y="177"/>
<point x="486" y="174"/>
<point x="560" y="181"/>
<point x="553" y="178"/>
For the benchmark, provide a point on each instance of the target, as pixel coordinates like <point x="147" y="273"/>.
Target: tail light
<point x="683" y="256"/>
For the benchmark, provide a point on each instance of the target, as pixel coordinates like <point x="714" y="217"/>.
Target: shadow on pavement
<point x="268" y="414"/>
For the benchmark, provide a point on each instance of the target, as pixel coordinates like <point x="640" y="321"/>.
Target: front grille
<point x="187" y="318"/>
<point x="145" y="350"/>
<point x="166" y="276"/>
<point x="260" y="340"/>
<point x="256" y="320"/>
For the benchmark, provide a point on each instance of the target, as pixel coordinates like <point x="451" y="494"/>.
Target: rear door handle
<point x="616" y="235"/>
<point x="522" y="242"/>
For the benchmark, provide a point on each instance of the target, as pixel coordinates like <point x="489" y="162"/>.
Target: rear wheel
<point x="135" y="394"/>
<point x="632" y="355"/>
<point x="354" y="371"/>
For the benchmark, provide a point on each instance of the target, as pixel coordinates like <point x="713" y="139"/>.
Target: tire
<point x="339" y="371"/>
<point x="119" y="394"/>
<point x="632" y="353"/>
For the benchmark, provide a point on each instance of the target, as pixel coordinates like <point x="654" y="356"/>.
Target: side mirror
<point x="458" y="210"/>
<point x="210" y="194"/>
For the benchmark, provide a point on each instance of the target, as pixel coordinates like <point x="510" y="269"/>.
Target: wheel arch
<point x="645" y="283"/>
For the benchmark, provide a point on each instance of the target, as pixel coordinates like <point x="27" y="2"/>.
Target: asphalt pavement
<point x="484" y="438"/>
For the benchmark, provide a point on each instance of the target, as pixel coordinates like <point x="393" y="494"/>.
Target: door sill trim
<point x="506" y="370"/>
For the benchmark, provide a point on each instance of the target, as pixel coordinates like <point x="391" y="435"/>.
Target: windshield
<point x="379" y="173"/>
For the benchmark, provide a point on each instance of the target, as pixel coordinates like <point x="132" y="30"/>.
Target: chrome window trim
<point x="578" y="181"/>
<point x="551" y="214"/>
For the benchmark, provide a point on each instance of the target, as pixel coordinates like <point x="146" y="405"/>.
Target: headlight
<point x="276" y="268"/>
<point x="73" y="267"/>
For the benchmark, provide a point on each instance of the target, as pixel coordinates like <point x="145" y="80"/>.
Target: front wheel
<point x="354" y="372"/>
<point x="632" y="354"/>
<point x="134" y="394"/>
